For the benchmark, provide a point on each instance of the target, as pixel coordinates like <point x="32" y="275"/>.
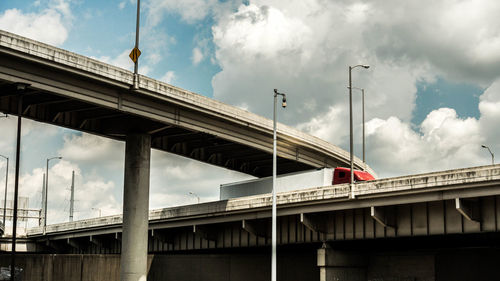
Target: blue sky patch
<point x="464" y="98"/>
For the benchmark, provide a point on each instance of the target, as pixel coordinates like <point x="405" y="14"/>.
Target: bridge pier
<point x="336" y="265"/>
<point x="134" y="255"/>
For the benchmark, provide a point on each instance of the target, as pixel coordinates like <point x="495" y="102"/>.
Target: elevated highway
<point x="455" y="202"/>
<point x="69" y="90"/>
<point x="54" y="86"/>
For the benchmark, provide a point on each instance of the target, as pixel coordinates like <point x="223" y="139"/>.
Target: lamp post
<point x="492" y="155"/>
<point x="363" y="117"/>
<point x="47" y="192"/>
<point x="273" y="256"/>
<point x="5" y="193"/>
<point x="350" y="121"/>
<point x="195" y="195"/>
<point x="97" y="209"/>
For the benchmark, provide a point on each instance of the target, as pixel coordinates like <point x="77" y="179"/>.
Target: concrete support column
<point x="134" y="254"/>
<point x="335" y="265"/>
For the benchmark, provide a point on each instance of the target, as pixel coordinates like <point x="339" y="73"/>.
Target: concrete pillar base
<point x="335" y="265"/>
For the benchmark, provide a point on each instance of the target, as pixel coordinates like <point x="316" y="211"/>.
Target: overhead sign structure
<point x="134" y="55"/>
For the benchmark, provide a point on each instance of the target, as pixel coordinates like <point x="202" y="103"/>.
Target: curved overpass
<point x="80" y="93"/>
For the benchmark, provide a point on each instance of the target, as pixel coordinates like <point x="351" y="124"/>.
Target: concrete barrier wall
<point x="300" y="266"/>
<point x="469" y="264"/>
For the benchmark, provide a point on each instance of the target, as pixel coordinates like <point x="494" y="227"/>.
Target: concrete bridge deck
<point x="455" y="201"/>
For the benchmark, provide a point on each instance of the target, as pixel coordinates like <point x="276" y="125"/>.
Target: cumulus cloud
<point x="50" y="25"/>
<point x="292" y="47"/>
<point x="304" y="48"/>
<point x="90" y="192"/>
<point x="85" y="148"/>
<point x="444" y="141"/>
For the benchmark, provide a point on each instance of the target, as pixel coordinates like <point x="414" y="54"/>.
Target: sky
<point x="432" y="89"/>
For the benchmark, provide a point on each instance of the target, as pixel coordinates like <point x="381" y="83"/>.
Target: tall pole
<point x="195" y="195"/>
<point x="5" y="192"/>
<point x="47" y="193"/>
<point x="274" y="211"/>
<point x="136" y="63"/>
<point x="72" y="198"/>
<point x="273" y="238"/>
<point x="350" y="131"/>
<point x="363" y="106"/>
<point x="40" y="223"/>
<point x="351" y="149"/>
<point x="45" y="197"/>
<point x="16" y="186"/>
<point x="363" y="122"/>
<point x="492" y="155"/>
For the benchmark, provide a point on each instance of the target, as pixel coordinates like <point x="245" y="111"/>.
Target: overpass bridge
<point x="462" y="201"/>
<point x="54" y="86"/>
<point x="76" y="92"/>
<point x="434" y="226"/>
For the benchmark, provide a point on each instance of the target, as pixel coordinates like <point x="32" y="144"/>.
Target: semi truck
<point x="293" y="181"/>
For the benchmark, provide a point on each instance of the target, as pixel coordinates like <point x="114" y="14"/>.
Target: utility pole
<point x="72" y="199"/>
<point x="42" y="219"/>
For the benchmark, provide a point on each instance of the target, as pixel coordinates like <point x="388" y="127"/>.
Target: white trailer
<point x="287" y="182"/>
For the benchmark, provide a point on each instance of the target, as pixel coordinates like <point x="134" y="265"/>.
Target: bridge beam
<point x="162" y="236"/>
<point x="379" y="214"/>
<point x="468" y="208"/>
<point x="206" y="232"/>
<point x="258" y="228"/>
<point x="341" y="265"/>
<point x="134" y="255"/>
<point x="73" y="243"/>
<point x="314" y="222"/>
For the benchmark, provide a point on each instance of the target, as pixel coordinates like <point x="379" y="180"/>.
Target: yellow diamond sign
<point x="134" y="55"/>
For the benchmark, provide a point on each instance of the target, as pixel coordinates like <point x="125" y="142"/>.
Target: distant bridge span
<point x="80" y="93"/>
<point x="462" y="201"/>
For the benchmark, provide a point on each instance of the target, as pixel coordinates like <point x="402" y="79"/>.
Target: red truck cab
<point x="343" y="175"/>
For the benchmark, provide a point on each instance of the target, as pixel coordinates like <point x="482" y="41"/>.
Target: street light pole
<point x="5" y="193"/>
<point x="97" y="209"/>
<point x="492" y="155"/>
<point x="363" y="121"/>
<point x="47" y="192"/>
<point x="195" y="195"/>
<point x="350" y="123"/>
<point x="274" y="212"/>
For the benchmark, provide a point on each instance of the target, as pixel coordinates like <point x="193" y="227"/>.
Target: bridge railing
<point x="430" y="180"/>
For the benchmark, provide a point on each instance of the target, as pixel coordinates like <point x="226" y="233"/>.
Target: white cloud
<point x="86" y="149"/>
<point x="122" y="5"/>
<point x="444" y="142"/>
<point x="197" y="56"/>
<point x="50" y="25"/>
<point x="90" y="193"/>
<point x="168" y="77"/>
<point x="190" y="10"/>
<point x="325" y="127"/>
